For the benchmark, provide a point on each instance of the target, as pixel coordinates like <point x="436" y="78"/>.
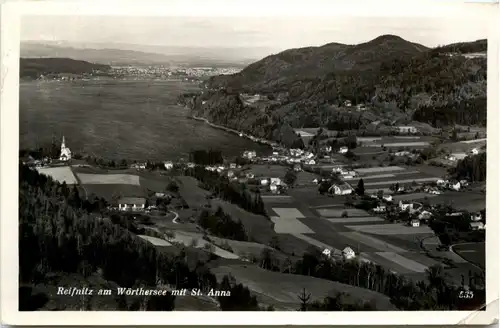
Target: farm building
<point x="131" y="204"/>
<point x="343" y="150"/>
<point x="477" y="226"/>
<point x="415" y="223"/>
<point x="476" y="217"/>
<point x="168" y="165"/>
<point x="348" y="253"/>
<point x="340" y="189"/>
<point x="425" y="215"/>
<point x="406" y="129"/>
<point x="249" y="154"/>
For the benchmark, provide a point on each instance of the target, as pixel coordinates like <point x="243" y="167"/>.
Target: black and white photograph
<point x="265" y="163"/>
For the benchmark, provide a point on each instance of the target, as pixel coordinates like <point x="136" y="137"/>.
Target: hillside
<point x="34" y="67"/>
<point x="129" y="54"/>
<point x="398" y="80"/>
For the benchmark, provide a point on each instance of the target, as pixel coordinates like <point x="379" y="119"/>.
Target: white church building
<point x="65" y="151"/>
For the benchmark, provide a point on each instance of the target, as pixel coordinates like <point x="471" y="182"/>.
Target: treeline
<point x="222" y="225"/>
<point x="206" y="157"/>
<point x="231" y="191"/>
<point x="472" y="168"/>
<point x="464" y="112"/>
<point x="57" y="237"/>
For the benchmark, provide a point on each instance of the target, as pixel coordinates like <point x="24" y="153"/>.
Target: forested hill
<point x="35" y="67"/>
<point x="399" y="81"/>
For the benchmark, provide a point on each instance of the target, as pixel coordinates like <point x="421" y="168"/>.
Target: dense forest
<point x="35" y="67"/>
<point x="308" y="87"/>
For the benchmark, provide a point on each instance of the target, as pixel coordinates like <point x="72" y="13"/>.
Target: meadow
<point x="60" y="174"/>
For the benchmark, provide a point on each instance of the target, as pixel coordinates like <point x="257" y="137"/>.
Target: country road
<point x="174" y="220"/>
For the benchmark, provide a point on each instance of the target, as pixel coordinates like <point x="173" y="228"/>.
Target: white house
<point x="315" y="181"/>
<point x="474" y="151"/>
<point x="342" y="189"/>
<point x="343" y="150"/>
<point x="441" y="182"/>
<point x="424" y="215"/>
<point x="327" y="252"/>
<point x="311" y="162"/>
<point x="264" y="182"/>
<point x="347" y="103"/>
<point x="131" y="204"/>
<point x="405" y="206"/>
<point x="275" y="181"/>
<point x="455" y="186"/>
<point x="415" y="223"/>
<point x="190" y="165"/>
<point x="249" y="154"/>
<point x="250" y="175"/>
<point x="380" y="209"/>
<point x="475" y="217"/>
<point x="168" y="165"/>
<point x="273" y="188"/>
<point x="477" y="226"/>
<point x="387" y="198"/>
<point x="232" y="165"/>
<point x="348" y="253"/>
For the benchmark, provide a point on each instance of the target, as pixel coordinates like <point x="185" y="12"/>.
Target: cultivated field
<point x="288" y="213"/>
<point x="113" y="191"/>
<point x="467" y="200"/>
<point x="391" y="229"/>
<point x="280" y="289"/>
<point x="241" y="248"/>
<point x="277" y="199"/>
<point x="109" y="179"/>
<point x="403" y="261"/>
<point x="258" y="227"/>
<point x="356" y="219"/>
<point x="337" y="212"/>
<point x="472" y="252"/>
<point x="413" y="196"/>
<point x="191" y="192"/>
<point x="289" y="225"/>
<point x="60" y="174"/>
<point x="155" y="241"/>
<point x="372" y="242"/>
<point x="196" y="240"/>
<point x="371" y="170"/>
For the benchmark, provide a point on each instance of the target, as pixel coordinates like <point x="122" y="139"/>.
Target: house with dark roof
<point x="132" y="204"/>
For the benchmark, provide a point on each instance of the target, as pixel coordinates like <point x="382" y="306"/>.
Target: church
<point x="65" y="152"/>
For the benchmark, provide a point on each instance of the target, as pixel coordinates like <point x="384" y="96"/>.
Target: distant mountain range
<point x="399" y="81"/>
<point x="130" y="54"/>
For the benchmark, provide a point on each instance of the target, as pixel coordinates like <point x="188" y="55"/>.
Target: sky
<point x="274" y="33"/>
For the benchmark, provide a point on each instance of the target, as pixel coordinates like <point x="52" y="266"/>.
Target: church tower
<point x="65" y="152"/>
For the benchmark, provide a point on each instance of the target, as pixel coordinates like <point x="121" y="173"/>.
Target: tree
<point x="304" y="298"/>
<point x="360" y="189"/>
<point x="290" y="177"/>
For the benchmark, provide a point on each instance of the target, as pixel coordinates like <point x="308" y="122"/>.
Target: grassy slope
<point x="280" y="289"/>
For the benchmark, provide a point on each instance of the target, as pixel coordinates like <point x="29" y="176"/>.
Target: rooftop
<point x="132" y="200"/>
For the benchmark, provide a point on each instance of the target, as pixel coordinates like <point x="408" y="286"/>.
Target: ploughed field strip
<point x="325" y="228"/>
<point x="87" y="178"/>
<point x="337" y="212"/>
<point x="388" y="176"/>
<point x="196" y="240"/>
<point x="414" y="196"/>
<point x="60" y="174"/>
<point x="356" y="220"/>
<point x="391" y="229"/>
<point x="375" y="170"/>
<point x="155" y="241"/>
<point x="385" y="182"/>
<point x="277" y="199"/>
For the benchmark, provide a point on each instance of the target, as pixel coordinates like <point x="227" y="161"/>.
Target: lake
<point x="116" y="119"/>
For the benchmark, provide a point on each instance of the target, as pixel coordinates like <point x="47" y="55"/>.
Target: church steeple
<point x="63" y="144"/>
